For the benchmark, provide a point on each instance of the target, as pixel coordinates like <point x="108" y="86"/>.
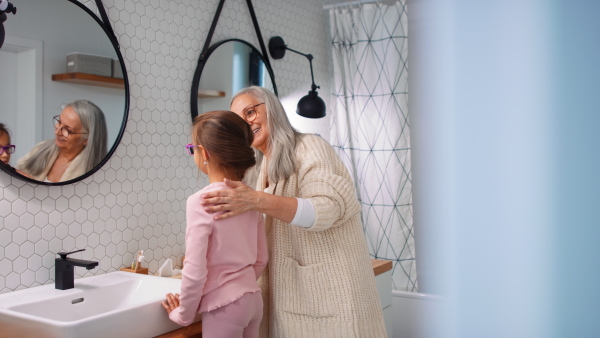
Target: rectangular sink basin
<point x="116" y="304"/>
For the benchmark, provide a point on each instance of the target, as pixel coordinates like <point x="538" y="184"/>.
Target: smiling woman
<point x="43" y="36"/>
<point x="78" y="146"/>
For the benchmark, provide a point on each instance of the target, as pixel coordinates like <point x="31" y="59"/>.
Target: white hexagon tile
<point x="137" y="200"/>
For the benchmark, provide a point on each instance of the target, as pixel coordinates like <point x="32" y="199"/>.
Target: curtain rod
<point x="349" y="3"/>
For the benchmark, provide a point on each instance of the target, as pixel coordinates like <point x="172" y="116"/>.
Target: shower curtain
<point x="370" y="126"/>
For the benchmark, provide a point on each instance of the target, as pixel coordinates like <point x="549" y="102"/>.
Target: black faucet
<point x="64" y="277"/>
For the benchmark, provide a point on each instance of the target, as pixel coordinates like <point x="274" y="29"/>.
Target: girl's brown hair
<point x="4" y="130"/>
<point x="227" y="138"/>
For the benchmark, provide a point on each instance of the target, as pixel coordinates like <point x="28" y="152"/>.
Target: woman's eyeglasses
<point x="190" y="148"/>
<point x="64" y="131"/>
<point x="250" y="113"/>
<point x="9" y="149"/>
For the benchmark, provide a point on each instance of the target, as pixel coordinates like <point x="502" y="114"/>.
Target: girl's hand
<point x="237" y="200"/>
<point x="171" y="303"/>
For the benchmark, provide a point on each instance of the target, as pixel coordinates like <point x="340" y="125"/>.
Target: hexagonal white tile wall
<point x="136" y="201"/>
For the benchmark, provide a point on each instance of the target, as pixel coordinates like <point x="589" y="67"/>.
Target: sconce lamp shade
<point x="311" y="106"/>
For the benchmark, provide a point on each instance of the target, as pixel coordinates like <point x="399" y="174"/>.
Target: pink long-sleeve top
<point x="223" y="259"/>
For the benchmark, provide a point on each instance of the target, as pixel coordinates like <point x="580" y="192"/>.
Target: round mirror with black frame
<point x="63" y="51"/>
<point x="227" y="67"/>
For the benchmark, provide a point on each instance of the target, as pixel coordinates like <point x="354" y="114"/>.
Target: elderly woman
<point x="79" y="145"/>
<point x="319" y="280"/>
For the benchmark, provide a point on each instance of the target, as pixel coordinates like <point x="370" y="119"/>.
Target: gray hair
<point x="40" y="159"/>
<point x="282" y="139"/>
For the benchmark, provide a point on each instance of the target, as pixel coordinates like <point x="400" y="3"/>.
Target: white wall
<point x="22" y="92"/>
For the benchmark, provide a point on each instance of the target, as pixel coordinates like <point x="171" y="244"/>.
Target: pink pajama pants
<point x="240" y="318"/>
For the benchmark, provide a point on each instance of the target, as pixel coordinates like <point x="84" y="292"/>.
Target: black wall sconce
<point x="5" y="7"/>
<point x="311" y="105"/>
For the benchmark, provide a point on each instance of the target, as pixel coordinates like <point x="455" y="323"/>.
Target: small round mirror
<point x="228" y="67"/>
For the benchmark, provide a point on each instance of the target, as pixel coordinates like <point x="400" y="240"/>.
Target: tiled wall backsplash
<point x="137" y="200"/>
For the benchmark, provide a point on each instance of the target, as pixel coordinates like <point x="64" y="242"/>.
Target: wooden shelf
<point x="90" y="80"/>
<point x="112" y="82"/>
<point x="204" y="93"/>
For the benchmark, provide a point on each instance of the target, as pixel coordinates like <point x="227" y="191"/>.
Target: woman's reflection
<point x="80" y="143"/>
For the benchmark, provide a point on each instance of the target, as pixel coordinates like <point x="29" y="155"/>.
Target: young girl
<point x="223" y="259"/>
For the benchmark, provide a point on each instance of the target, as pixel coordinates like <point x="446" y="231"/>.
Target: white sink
<point x="116" y="304"/>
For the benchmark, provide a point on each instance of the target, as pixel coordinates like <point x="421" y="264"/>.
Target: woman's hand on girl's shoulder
<point x="235" y="200"/>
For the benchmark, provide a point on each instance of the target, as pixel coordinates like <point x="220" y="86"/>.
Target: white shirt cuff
<point x="305" y="214"/>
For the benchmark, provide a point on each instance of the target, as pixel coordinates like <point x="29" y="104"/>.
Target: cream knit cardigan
<point x="319" y="281"/>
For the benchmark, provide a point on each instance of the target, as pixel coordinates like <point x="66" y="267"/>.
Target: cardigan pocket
<point x="306" y="290"/>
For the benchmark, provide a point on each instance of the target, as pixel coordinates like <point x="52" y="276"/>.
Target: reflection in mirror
<point x="230" y="66"/>
<point x="37" y="83"/>
<point x="79" y="144"/>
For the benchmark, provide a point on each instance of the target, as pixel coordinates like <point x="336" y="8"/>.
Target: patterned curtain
<point x="370" y="126"/>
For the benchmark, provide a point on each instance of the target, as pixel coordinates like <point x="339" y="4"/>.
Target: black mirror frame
<point x="208" y="49"/>
<point x="105" y="25"/>
<point x="200" y="68"/>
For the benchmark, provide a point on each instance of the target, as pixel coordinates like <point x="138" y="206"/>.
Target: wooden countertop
<point x="192" y="331"/>
<point x="380" y="266"/>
